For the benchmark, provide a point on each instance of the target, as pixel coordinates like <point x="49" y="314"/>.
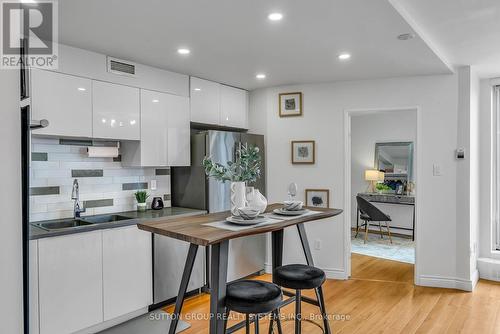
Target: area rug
<point x="401" y="249"/>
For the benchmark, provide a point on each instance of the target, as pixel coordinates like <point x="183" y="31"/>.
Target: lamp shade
<point x="381" y="176"/>
<point x="371" y="175"/>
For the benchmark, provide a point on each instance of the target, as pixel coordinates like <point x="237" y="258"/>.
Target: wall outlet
<point x="153" y="184"/>
<point x="317" y="244"/>
<point x="436" y="170"/>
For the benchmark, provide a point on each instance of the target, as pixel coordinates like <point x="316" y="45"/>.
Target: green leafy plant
<point x="141" y="196"/>
<point x="382" y="187"/>
<point x="246" y="168"/>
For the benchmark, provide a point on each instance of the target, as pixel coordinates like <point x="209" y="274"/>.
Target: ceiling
<point x="232" y="40"/>
<point x="466" y="32"/>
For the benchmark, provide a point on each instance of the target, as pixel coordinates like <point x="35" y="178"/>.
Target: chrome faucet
<point x="75" y="195"/>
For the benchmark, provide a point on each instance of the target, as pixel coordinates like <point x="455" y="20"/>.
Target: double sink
<point x="79" y="222"/>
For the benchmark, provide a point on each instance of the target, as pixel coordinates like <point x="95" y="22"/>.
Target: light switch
<point x="436" y="170"/>
<point x="153" y="184"/>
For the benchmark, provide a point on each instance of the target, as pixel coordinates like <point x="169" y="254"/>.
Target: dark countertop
<point x="135" y="218"/>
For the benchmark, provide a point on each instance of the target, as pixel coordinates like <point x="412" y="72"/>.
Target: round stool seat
<point x="253" y="297"/>
<point x="299" y="276"/>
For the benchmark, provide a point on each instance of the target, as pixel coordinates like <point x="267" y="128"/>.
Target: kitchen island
<point x="196" y="231"/>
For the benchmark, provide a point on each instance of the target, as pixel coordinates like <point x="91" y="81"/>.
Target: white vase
<point x="256" y="200"/>
<point x="238" y="198"/>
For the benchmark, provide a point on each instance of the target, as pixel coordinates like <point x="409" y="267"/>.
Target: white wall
<point x="323" y="121"/>
<point x="11" y="277"/>
<point x="366" y="130"/>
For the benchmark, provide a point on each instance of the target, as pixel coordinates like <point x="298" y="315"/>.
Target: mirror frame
<point x="398" y="143"/>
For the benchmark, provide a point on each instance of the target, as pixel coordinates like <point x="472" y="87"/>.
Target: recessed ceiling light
<point x="132" y="122"/>
<point x="405" y="37"/>
<point x="183" y="51"/>
<point x="260" y="76"/>
<point x="197" y="89"/>
<point x="155" y="101"/>
<point x="81" y="89"/>
<point x="344" y="56"/>
<point x="275" y="16"/>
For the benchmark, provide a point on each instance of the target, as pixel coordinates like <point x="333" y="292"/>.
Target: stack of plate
<point x="285" y="212"/>
<point x="240" y="221"/>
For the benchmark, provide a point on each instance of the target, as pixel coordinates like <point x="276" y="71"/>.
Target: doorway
<point x="381" y="157"/>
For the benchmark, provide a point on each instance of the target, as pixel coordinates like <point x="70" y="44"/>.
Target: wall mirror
<point x="395" y="159"/>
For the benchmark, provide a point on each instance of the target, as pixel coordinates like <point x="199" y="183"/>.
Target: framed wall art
<point x="319" y="198"/>
<point x="303" y="152"/>
<point x="290" y="104"/>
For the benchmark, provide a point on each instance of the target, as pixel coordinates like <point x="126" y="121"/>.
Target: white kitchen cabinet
<point x="179" y="131"/>
<point x="165" y="132"/>
<point x="233" y="107"/>
<point x="64" y="100"/>
<point x="127" y="271"/>
<point x="70" y="282"/>
<point x="116" y="111"/>
<point x="33" y="287"/>
<point x="205" y="101"/>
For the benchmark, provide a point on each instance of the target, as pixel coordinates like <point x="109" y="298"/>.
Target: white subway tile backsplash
<point x="48" y="173"/>
<point x="53" y="148"/>
<point x="45" y="165"/>
<point x="57" y="171"/>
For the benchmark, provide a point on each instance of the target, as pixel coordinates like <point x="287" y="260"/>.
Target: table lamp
<point x="372" y="175"/>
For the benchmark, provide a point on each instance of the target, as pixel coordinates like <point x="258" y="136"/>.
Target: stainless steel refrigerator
<point x="192" y="189"/>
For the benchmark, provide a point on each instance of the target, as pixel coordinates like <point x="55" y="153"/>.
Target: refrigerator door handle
<point x="39" y="124"/>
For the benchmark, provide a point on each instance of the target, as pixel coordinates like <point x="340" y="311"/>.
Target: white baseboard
<point x="448" y="282"/>
<point x="489" y="268"/>
<point x="331" y="273"/>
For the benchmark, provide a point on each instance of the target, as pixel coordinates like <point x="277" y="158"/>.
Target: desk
<point x="193" y="230"/>
<point x="391" y="199"/>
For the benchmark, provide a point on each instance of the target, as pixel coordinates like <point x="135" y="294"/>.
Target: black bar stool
<point x="302" y="277"/>
<point x="251" y="297"/>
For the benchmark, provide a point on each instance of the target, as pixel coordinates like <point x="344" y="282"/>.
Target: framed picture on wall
<point x="319" y="198"/>
<point x="303" y="152"/>
<point x="290" y="104"/>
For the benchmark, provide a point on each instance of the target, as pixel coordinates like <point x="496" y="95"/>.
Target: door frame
<point x="348" y="113"/>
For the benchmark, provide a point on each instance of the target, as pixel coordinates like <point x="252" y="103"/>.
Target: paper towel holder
<point x="103" y="151"/>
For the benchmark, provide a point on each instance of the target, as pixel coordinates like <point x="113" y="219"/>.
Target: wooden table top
<point x="192" y="230"/>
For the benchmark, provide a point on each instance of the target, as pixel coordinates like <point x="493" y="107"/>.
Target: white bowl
<point x="293" y="205"/>
<point x="248" y="213"/>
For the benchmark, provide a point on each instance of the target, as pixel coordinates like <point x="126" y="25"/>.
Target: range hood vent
<point x="121" y="67"/>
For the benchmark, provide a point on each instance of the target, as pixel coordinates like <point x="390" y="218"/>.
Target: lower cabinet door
<point x="70" y="282"/>
<point x="127" y="271"/>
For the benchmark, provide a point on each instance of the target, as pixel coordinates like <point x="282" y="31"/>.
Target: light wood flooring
<point x="381" y="298"/>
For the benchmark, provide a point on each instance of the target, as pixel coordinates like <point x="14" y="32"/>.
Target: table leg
<point x="413" y="229"/>
<point x="305" y="244"/>
<point x="277" y="248"/>
<point x="310" y="262"/>
<point x="218" y="280"/>
<point x="188" y="268"/>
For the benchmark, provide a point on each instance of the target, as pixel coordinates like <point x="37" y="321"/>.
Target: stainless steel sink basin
<point x="105" y="219"/>
<point x="63" y="224"/>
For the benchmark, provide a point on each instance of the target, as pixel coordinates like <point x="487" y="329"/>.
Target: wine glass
<point x="292" y="191"/>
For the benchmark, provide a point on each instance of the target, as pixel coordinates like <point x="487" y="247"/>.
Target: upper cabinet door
<point x="205" y="101"/>
<point x="179" y="134"/>
<point x="154" y="129"/>
<point x="116" y="111"/>
<point x="234" y="107"/>
<point x="64" y="100"/>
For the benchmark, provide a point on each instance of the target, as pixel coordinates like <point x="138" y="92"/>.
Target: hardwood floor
<point x="381" y="298"/>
